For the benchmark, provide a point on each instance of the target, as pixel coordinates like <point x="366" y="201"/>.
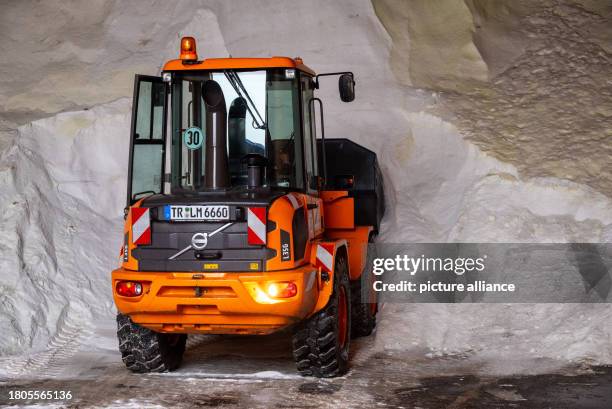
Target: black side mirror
<point x="346" y="85"/>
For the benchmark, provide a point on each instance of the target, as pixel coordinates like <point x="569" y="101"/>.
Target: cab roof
<point x="238" y="63"/>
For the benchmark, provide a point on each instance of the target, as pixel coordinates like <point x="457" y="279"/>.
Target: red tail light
<point x="129" y="288"/>
<point x="256" y="225"/>
<point x="141" y="226"/>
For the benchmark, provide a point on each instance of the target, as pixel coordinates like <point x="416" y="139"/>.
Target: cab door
<point x="314" y="204"/>
<point x="147" y="138"/>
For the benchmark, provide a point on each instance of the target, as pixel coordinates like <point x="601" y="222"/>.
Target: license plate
<point x="196" y="213"/>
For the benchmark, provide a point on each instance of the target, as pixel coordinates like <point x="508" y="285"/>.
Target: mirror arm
<point x="327" y="74"/>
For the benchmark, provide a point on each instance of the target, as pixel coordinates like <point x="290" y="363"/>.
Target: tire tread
<point x="315" y="348"/>
<point x="143" y="350"/>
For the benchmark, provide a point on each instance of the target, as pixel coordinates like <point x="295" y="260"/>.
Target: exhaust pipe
<point x="217" y="168"/>
<point x="237" y="133"/>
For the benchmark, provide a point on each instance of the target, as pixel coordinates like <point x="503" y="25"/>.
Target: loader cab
<point x="226" y="125"/>
<point x="262" y="117"/>
<point x="182" y="144"/>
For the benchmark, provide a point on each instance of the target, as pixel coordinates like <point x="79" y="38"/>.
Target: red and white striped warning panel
<point x="295" y="202"/>
<point x="325" y="256"/>
<point x="141" y="226"/>
<point x="256" y="225"/>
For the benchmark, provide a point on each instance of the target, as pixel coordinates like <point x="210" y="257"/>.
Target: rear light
<point x="129" y="288"/>
<point x="282" y="290"/>
<point x="256" y="226"/>
<point x="141" y="226"/>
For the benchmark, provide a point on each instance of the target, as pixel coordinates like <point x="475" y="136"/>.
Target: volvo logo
<point x="199" y="241"/>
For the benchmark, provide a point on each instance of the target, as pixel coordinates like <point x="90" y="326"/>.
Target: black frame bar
<point x="314" y="127"/>
<point x="133" y="141"/>
<point x="327" y="74"/>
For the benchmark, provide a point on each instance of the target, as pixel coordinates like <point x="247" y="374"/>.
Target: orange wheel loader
<point x="239" y="219"/>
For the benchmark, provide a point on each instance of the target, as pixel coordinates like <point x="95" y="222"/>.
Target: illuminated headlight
<point x="282" y="290"/>
<point x="167" y="77"/>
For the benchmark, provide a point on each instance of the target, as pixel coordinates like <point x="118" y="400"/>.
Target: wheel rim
<point x="342" y="318"/>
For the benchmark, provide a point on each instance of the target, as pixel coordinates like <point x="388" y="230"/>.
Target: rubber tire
<point x="363" y="318"/>
<point x="316" y="344"/>
<point x="143" y="350"/>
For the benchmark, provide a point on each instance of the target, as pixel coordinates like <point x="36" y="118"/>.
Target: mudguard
<point x="323" y="255"/>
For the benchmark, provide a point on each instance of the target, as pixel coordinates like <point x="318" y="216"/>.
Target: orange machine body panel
<point x="339" y="209"/>
<point x="282" y="213"/>
<point x="339" y="216"/>
<point x="213" y="64"/>
<point x="129" y="262"/>
<point x="357" y="242"/>
<point x="236" y="302"/>
<point x="230" y="303"/>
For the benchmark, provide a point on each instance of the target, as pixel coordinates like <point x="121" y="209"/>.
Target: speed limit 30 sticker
<point x="193" y="138"/>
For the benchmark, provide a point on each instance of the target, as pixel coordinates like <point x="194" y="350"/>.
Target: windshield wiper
<point x="234" y="79"/>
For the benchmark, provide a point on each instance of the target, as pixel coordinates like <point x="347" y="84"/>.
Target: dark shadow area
<point x="589" y="391"/>
<point x="592" y="268"/>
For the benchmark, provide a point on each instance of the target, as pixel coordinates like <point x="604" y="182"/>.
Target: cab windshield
<point x="262" y="116"/>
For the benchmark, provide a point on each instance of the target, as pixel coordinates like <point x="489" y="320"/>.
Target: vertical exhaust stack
<point x="236" y="132"/>
<point x="217" y="169"/>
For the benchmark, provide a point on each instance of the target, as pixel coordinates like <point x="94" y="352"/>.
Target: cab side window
<point x="310" y="142"/>
<point x="147" y="136"/>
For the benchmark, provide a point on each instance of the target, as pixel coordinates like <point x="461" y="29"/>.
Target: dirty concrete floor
<point x="257" y="372"/>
